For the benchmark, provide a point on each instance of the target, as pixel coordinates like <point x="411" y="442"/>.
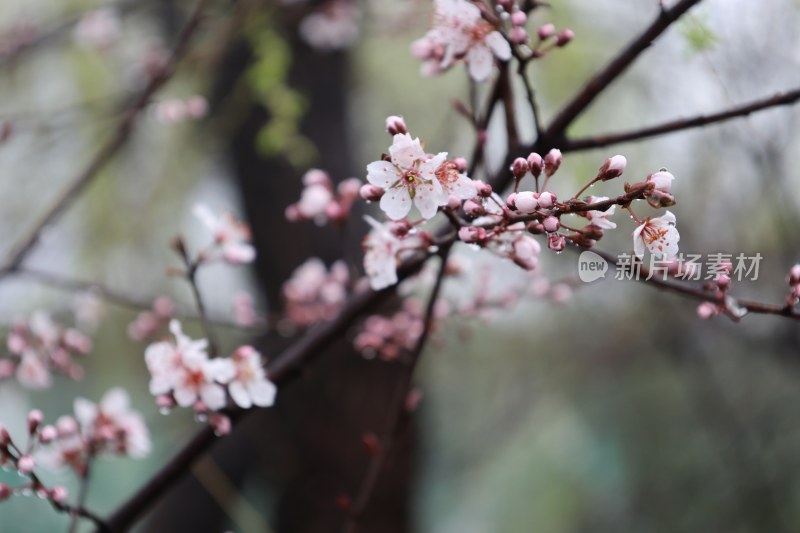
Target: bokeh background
<point x="615" y="410"/>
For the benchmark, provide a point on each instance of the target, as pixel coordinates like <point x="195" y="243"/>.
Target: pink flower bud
<point x="723" y="281"/>
<point x="26" y="464"/>
<point x="349" y="188"/>
<point x="5" y="492"/>
<point x="526" y="252"/>
<point x="292" y="213"/>
<point x="518" y="35"/>
<point x="519" y="167"/>
<point x="461" y="164"/>
<point x="510" y="201"/>
<point x="526" y="202"/>
<point x="556" y="242"/>
<point x="58" y="494"/>
<point x="316" y="176"/>
<point x="794" y="275"/>
<point x="334" y="211"/>
<point x="472" y="234"/>
<point x="535" y="164"/>
<point x="47" y="434"/>
<point x="612" y="168"/>
<point x="519" y="18"/>
<point x="35" y="418"/>
<point x="453" y="202"/>
<point x="706" y="310"/>
<point x="547" y="199"/>
<point x="483" y="188"/>
<point x="661" y="181"/>
<point x="552" y="161"/>
<point x="66" y="426"/>
<point x="551" y="224"/>
<point x="220" y="423"/>
<point x="546" y="31"/>
<point x="564" y="37"/>
<point x="474" y="209"/>
<point x="395" y="125"/>
<point x="371" y="193"/>
<point x="535" y="227"/>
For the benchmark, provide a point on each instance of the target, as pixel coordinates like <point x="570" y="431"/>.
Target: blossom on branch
<point x="231" y="236"/>
<point x="460" y="32"/>
<point x="659" y="235"/>
<point x="384" y="246"/>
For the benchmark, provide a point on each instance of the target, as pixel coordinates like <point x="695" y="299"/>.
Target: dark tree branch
<point x="397" y="407"/>
<point x="780" y="99"/>
<point x="613" y="70"/>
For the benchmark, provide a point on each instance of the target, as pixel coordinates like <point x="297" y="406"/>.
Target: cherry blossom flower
<point x="384" y="246"/>
<point x="454" y="182"/>
<point x="112" y="426"/>
<point x="659" y="235"/>
<point x="516" y="244"/>
<point x="149" y="323"/>
<point x="250" y="385"/>
<point x="391" y="337"/>
<point x="320" y="202"/>
<point x="460" y="32"/>
<point x="410" y="176"/>
<point x="313" y="293"/>
<point x="600" y="218"/>
<point x="658" y="193"/>
<point x="39" y="346"/>
<point x="182" y="368"/>
<point x="231" y="235"/>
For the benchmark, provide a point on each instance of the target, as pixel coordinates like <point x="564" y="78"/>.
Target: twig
<point x="780" y="99"/>
<point x="83" y="492"/>
<point x="397" y="408"/>
<point x="595" y="86"/>
<point x="123" y="130"/>
<point x="190" y="274"/>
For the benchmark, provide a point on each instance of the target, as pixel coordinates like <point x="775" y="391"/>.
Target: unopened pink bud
<point x="519" y="18"/>
<point x="220" y="423"/>
<point x="546" y="31"/>
<point x="472" y="234"/>
<point x="316" y="176"/>
<point x="395" y="125"/>
<point x="334" y="211"/>
<point x="35" y="418"/>
<point x="26" y="464"/>
<point x="519" y="167"/>
<point x="794" y="275"/>
<point x="461" y="164"/>
<point x="552" y="161"/>
<point x="518" y="35"/>
<point x="612" y="168"/>
<point x="706" y="310"/>
<point x="58" y="494"/>
<point x="564" y="37"/>
<point x="535" y="164"/>
<point x="551" y="224"/>
<point x="371" y="193"/>
<point x="510" y="201"/>
<point x="526" y="202"/>
<point x="483" y="188"/>
<point x="47" y="434"/>
<point x="556" y="242"/>
<point x="723" y="281"/>
<point x="547" y="199"/>
<point x="474" y="209"/>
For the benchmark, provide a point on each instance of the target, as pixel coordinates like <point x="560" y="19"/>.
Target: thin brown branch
<point x="780" y="99"/>
<point x="397" y="408"/>
<point x="698" y="293"/>
<point x="118" y="138"/>
<point x="600" y="81"/>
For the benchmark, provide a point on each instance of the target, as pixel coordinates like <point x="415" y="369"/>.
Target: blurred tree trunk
<point x="306" y="452"/>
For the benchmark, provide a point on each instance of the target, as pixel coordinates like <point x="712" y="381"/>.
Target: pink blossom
<point x="460" y="33"/>
<point x="410" y="176"/>
<point x="659" y="235"/>
<point x="250" y="385"/>
<point x="231" y="236"/>
<point x="313" y="293"/>
<point x="381" y="247"/>
<point x="600" y="218"/>
<point x="112" y="425"/>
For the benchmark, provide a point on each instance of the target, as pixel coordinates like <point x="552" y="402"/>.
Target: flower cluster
<point x="460" y="32"/>
<point x="793" y="279"/>
<point x="389" y="338"/>
<point x="153" y="321"/>
<point x="39" y="346"/>
<point x="718" y="290"/>
<point x="182" y="373"/>
<point x="314" y="293"/>
<point x="386" y="245"/>
<point x="320" y="202"/>
<point x="108" y="428"/>
<point x="231" y="237"/>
